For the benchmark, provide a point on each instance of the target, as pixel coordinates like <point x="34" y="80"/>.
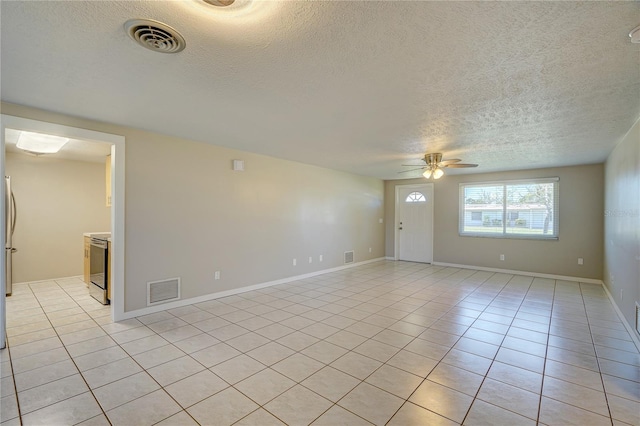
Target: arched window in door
<point x="415" y="197"/>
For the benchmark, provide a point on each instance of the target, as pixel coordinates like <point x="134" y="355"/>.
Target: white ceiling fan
<point x="434" y="165"/>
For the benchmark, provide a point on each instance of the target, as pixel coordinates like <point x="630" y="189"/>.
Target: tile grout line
<point x="499" y="347"/>
<point x="479" y="285"/>
<point x="385" y="363"/>
<point x="318" y="321"/>
<point x="595" y="350"/>
<point x="71" y="358"/>
<point x="151" y="376"/>
<point x="134" y="360"/>
<point x="13" y="376"/>
<point x="69" y="354"/>
<point x="65" y="348"/>
<point x="11" y="358"/>
<point x="328" y="365"/>
<point x="446" y="353"/>
<point x="383" y="291"/>
<point x="324" y="366"/>
<point x="573" y="365"/>
<point x="546" y="351"/>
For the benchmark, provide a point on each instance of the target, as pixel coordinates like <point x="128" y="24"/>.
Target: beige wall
<point x="581" y="225"/>
<point x="622" y="223"/>
<point x="189" y="215"/>
<point x="57" y="201"/>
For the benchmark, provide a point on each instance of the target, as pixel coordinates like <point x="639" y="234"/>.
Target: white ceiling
<point x="357" y="86"/>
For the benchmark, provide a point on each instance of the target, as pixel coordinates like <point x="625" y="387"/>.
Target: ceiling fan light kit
<point x="220" y="3"/>
<point x="435" y="165"/>
<point x="435" y="172"/>
<point x="228" y="7"/>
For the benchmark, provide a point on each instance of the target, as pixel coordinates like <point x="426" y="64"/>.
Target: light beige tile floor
<point x="385" y="343"/>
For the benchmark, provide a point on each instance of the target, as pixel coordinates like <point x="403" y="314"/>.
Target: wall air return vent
<point x="154" y="35"/>
<point x="348" y="257"/>
<point x="163" y="291"/>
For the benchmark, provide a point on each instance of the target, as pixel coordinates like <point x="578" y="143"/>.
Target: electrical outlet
<point x="295" y="262"/>
<point x="580" y="261"/>
<point x="369" y="249"/>
<point x="320" y="258"/>
<point x="216" y="275"/>
<point x="502" y="257"/>
<point x="310" y="259"/>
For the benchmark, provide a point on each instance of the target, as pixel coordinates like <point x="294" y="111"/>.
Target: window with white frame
<point x="415" y="197"/>
<point x="510" y="209"/>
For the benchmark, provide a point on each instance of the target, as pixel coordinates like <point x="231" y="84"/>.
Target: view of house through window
<point x="518" y="209"/>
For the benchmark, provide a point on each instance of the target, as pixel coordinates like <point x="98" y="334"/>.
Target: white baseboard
<point x="632" y="332"/>
<point x="231" y="292"/>
<point x="525" y="273"/>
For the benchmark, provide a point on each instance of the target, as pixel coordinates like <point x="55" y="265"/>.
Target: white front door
<point x="414" y="222"/>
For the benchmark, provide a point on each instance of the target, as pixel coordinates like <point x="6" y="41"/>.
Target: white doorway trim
<point x="117" y="204"/>
<point x="418" y="187"/>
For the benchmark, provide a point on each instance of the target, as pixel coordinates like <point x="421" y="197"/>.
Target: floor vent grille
<point x="163" y="291"/>
<point x="348" y="257"/>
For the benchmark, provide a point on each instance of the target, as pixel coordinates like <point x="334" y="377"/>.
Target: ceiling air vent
<point x="155" y="35"/>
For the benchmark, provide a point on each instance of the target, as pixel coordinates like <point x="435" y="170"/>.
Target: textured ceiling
<point x="356" y="86"/>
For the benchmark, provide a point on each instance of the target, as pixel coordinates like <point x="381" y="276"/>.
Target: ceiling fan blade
<point x="412" y="170"/>
<point x="435" y="163"/>
<point x="460" y="165"/>
<point x="453" y="160"/>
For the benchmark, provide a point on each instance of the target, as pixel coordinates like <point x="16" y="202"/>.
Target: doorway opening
<point x="113" y="172"/>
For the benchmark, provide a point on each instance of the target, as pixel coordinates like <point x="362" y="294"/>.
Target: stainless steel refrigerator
<point x="10" y="226"/>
